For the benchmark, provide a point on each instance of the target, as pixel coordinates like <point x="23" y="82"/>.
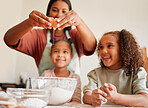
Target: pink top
<point x="77" y="93"/>
<point x="34" y="42"/>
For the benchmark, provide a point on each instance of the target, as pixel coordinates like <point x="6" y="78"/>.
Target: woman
<point x="36" y="42"/>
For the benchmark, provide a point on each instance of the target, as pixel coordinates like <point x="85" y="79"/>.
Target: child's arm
<point x="77" y="93"/>
<point x="96" y="98"/>
<point x="124" y="99"/>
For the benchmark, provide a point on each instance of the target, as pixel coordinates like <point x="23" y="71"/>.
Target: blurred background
<point x="100" y="15"/>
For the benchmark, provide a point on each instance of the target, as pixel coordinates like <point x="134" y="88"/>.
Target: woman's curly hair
<point x="130" y="53"/>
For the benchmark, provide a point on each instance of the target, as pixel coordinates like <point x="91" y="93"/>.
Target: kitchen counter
<point x="76" y="105"/>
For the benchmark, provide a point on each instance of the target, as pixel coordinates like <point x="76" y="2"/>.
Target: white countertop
<point x="77" y="105"/>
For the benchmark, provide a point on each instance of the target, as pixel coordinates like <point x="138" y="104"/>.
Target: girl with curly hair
<point x="121" y="79"/>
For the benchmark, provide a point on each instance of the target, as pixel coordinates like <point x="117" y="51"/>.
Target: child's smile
<point x="60" y="59"/>
<point x="106" y="58"/>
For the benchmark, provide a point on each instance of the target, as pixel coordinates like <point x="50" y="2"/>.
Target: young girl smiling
<point x="61" y="55"/>
<point x="121" y="79"/>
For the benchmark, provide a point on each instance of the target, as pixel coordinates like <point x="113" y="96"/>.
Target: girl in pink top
<point x="61" y="55"/>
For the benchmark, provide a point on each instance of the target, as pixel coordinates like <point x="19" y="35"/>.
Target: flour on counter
<point x="59" y="96"/>
<point x="33" y="102"/>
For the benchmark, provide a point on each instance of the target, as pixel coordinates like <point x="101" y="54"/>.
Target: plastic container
<point x="29" y="98"/>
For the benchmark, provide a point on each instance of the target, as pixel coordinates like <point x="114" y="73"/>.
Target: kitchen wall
<point x="100" y="15"/>
<point x="10" y="11"/>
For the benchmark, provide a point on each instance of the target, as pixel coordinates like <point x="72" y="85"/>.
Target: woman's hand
<point x="98" y="97"/>
<point x="71" y="18"/>
<point x="38" y="19"/>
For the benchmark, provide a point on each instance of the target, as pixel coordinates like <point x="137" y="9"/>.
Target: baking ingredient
<point x="59" y="96"/>
<point x="32" y="102"/>
<point x="4" y="94"/>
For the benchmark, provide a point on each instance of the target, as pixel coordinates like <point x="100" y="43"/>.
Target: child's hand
<point x="110" y="90"/>
<point x="97" y="97"/>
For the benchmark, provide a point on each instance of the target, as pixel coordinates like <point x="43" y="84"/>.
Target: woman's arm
<point x="36" y="18"/>
<point x="13" y="35"/>
<point x="87" y="36"/>
<point x="72" y="19"/>
<point x="145" y="59"/>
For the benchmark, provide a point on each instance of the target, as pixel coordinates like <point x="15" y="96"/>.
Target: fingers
<point x="100" y="92"/>
<point x="101" y="88"/>
<point x="111" y="91"/>
<point x="97" y="103"/>
<point x="97" y="99"/>
<point x="69" y="19"/>
<point x="38" y="19"/>
<point x="41" y="15"/>
<point x="66" y="17"/>
<point x="106" y="89"/>
<point x="110" y="86"/>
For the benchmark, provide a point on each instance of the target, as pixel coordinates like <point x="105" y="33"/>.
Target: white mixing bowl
<point x="60" y="89"/>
